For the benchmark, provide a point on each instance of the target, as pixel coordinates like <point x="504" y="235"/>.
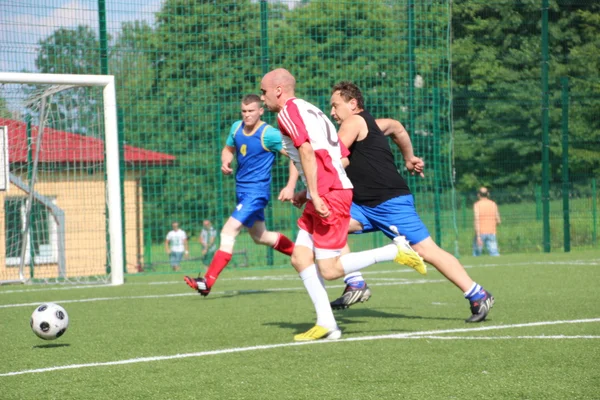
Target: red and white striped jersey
<point x="300" y="122"/>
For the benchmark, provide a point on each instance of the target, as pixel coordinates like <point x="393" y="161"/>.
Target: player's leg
<point x="175" y="260"/>
<point x="398" y="215"/>
<point x="304" y="263"/>
<point x="243" y="215"/>
<point x="492" y="245"/>
<point x="276" y="240"/>
<point x="230" y="231"/>
<point x="477" y="247"/>
<point x="409" y="224"/>
<point x="480" y="299"/>
<point x="327" y="235"/>
<point x="356" y="290"/>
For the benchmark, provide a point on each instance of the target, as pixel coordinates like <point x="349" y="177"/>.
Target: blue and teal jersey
<point x="255" y="153"/>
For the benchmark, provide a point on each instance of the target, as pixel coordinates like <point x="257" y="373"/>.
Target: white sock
<point x="353" y="277"/>
<point x="316" y="290"/>
<point x="475" y="287"/>
<point x="353" y="262"/>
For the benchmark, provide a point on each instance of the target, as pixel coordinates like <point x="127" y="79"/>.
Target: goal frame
<point x="111" y="144"/>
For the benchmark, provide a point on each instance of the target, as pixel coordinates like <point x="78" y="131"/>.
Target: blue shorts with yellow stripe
<point x="399" y="212"/>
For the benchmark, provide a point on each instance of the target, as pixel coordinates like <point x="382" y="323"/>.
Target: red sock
<point x="219" y="261"/>
<point x="284" y="245"/>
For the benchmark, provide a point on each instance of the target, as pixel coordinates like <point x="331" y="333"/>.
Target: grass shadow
<point x="50" y="345"/>
<point x="349" y="317"/>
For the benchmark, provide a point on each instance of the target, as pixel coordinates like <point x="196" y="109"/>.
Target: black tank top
<point x="372" y="169"/>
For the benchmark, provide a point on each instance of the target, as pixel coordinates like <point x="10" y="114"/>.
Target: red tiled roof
<point x="63" y="147"/>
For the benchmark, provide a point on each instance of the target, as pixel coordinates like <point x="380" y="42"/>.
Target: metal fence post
<point x="545" y="133"/>
<point x="565" y="163"/>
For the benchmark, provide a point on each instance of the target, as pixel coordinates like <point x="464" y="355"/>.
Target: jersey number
<point x="333" y="141"/>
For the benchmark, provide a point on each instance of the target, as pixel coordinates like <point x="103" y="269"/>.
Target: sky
<point x="23" y="23"/>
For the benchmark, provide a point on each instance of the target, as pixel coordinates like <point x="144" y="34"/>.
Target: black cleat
<point x="480" y="308"/>
<point x="198" y="284"/>
<point x="351" y="296"/>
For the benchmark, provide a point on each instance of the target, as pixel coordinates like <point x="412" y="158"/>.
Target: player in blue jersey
<point x="254" y="145"/>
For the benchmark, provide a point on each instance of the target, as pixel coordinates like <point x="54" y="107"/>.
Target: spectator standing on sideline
<point x="208" y="238"/>
<point x="486" y="217"/>
<point x="176" y="245"/>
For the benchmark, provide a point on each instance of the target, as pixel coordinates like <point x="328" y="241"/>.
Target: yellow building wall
<point x="82" y="198"/>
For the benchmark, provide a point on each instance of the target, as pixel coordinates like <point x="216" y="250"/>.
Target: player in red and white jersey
<point x="299" y="122"/>
<point x="311" y="141"/>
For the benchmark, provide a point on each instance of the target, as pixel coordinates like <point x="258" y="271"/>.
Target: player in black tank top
<point x="372" y="169"/>
<point x="382" y="199"/>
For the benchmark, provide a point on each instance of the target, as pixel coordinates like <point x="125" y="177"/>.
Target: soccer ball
<point x="49" y="321"/>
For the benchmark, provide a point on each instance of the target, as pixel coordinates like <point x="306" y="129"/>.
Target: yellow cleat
<point x="318" y="332"/>
<point x="407" y="256"/>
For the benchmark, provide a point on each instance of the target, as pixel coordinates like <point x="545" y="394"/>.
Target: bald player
<point x="310" y="139"/>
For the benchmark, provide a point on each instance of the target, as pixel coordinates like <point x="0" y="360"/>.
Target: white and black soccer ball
<point x="49" y="321"/>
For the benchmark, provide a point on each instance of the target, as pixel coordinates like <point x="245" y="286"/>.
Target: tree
<point x="70" y="51"/>
<point x="497" y="91"/>
<point x="4" y="111"/>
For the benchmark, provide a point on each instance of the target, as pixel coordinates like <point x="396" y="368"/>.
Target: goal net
<point x="60" y="211"/>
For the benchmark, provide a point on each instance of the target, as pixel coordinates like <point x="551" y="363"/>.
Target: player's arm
<point x="394" y="129"/>
<point x="228" y="152"/>
<point x="287" y="193"/>
<point x="350" y="130"/>
<point x="476" y="223"/>
<point x="498" y="220"/>
<point x="309" y="166"/>
<point x="227" y="155"/>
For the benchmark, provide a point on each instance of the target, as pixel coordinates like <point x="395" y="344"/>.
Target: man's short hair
<point x="483" y="192"/>
<point x="251" y="98"/>
<point x="349" y="91"/>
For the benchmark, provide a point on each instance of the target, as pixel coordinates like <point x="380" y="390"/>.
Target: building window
<point x="42" y="236"/>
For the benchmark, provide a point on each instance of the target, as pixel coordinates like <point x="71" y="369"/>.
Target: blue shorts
<point x="399" y="212"/>
<point x="175" y="258"/>
<point x="250" y="208"/>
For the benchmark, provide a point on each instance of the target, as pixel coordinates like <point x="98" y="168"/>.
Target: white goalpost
<point x="62" y="216"/>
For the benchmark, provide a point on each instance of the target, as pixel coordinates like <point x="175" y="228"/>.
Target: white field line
<point x="553" y="337"/>
<point x="227" y="292"/>
<point x="410" y="335"/>
<point x="291" y="277"/>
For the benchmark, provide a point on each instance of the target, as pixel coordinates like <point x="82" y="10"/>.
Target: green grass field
<point x="152" y="338"/>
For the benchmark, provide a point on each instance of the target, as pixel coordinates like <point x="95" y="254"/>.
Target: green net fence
<point x="498" y="53"/>
<point x="462" y="76"/>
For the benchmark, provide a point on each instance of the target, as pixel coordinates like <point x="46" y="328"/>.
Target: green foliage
<point x="4" y="111"/>
<point x="70" y="51"/>
<point x="180" y="79"/>
<point x="496" y="78"/>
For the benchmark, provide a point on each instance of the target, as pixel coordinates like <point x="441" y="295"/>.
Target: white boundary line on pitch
<point x="285" y="277"/>
<point x="410" y="335"/>
<point x="227" y="292"/>
<point x="554" y="337"/>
